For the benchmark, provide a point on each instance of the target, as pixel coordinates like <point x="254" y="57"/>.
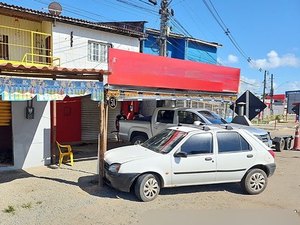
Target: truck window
<point x="212" y="117"/>
<point x="165" y="116"/>
<point x="187" y="117"/>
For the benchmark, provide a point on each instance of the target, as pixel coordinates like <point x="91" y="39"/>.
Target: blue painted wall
<point x="201" y="53"/>
<point x="180" y="48"/>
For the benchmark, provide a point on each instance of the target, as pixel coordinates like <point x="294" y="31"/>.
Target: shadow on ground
<point x="90" y="185"/>
<point x="234" y="188"/>
<point x="8" y="176"/>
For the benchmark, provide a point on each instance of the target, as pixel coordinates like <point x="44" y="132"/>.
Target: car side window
<point x="198" y="144"/>
<point x="165" y="116"/>
<point x="232" y="142"/>
<point x="187" y="117"/>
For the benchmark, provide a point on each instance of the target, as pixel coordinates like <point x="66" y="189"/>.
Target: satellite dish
<point x="55" y="8"/>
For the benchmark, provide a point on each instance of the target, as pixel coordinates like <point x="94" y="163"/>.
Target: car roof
<point x="204" y="128"/>
<point x="182" y="108"/>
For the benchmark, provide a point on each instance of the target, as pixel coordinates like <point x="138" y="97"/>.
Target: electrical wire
<point x="226" y="30"/>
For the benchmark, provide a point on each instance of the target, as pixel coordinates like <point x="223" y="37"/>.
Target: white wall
<point x="31" y="137"/>
<point x="77" y="56"/>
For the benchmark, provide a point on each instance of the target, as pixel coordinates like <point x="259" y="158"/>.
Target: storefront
<point x="27" y="117"/>
<point x="160" y="81"/>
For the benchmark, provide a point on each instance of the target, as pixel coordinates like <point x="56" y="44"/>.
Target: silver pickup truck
<point x="138" y="131"/>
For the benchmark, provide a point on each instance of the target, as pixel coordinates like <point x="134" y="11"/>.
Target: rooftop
<point x="131" y="29"/>
<point x="181" y="36"/>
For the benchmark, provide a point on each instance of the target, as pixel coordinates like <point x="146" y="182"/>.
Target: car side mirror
<point x="180" y="154"/>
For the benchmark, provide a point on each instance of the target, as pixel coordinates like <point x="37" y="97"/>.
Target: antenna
<point x="54" y="8"/>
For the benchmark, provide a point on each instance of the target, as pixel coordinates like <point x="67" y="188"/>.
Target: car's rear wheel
<point x="139" y="139"/>
<point x="254" y="182"/>
<point x="147" y="187"/>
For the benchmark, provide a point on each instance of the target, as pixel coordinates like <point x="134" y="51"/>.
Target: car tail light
<point x="272" y="153"/>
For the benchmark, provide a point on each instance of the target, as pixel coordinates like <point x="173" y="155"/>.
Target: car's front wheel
<point x="147" y="187"/>
<point x="254" y="182"/>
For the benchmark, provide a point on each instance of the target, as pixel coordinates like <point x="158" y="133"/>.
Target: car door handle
<point x="249" y="156"/>
<point x="208" y="158"/>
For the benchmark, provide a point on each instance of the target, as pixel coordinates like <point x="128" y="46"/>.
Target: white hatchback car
<point x="182" y="156"/>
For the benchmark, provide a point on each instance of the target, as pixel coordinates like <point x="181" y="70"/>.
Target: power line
<point x="137" y="6"/>
<point x="226" y="30"/>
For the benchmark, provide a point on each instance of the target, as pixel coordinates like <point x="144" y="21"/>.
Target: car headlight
<point x="115" y="167"/>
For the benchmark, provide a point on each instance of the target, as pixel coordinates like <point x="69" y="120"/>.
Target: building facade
<point x="182" y="47"/>
<point x="30" y="77"/>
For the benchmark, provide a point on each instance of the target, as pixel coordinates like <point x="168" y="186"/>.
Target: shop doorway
<point x="6" y="142"/>
<point x="68" y="120"/>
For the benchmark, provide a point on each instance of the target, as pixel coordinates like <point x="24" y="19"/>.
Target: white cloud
<point x="274" y="60"/>
<point x="231" y="59"/>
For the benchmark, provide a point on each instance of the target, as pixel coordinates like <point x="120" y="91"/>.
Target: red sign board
<point x="144" y="70"/>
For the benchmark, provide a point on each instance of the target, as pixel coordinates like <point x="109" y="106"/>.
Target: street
<point x="71" y="195"/>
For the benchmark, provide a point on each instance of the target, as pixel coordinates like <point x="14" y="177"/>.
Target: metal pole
<point x="271" y="95"/>
<point x="247" y="104"/>
<point x="264" y="91"/>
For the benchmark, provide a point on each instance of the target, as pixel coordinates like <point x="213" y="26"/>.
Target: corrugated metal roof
<point x="79" y="22"/>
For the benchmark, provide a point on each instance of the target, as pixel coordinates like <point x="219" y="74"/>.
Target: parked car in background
<point x="138" y="131"/>
<point x="185" y="155"/>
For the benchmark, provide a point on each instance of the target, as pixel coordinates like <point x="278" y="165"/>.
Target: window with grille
<point x="98" y="52"/>
<point x="4" y="47"/>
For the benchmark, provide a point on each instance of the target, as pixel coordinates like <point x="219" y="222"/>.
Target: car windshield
<point x="212" y="117"/>
<point x="165" y="141"/>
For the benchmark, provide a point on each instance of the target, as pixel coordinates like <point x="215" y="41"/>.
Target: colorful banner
<point x="22" y="89"/>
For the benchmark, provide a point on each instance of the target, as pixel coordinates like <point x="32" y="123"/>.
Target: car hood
<point x="128" y="153"/>
<point x="251" y="129"/>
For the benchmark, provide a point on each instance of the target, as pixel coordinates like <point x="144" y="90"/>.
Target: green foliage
<point x="27" y="206"/>
<point x="10" y="209"/>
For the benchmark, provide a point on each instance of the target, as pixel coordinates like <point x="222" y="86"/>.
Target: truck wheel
<point x="279" y="146"/>
<point x="139" y="139"/>
<point x="254" y="182"/>
<point x="147" y="187"/>
<point x="288" y="143"/>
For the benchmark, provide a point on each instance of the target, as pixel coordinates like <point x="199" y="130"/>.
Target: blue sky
<point x="267" y="31"/>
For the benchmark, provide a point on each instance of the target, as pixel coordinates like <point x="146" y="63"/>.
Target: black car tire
<point x="279" y="146"/>
<point x="254" y="182"/>
<point x="139" y="139"/>
<point x="147" y="187"/>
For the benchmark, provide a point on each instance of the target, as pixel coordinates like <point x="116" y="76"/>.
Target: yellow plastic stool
<point x="62" y="154"/>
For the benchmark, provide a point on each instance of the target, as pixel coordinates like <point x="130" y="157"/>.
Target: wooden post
<point x="102" y="140"/>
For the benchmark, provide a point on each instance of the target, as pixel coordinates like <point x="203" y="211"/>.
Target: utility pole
<point x="164" y="27"/>
<point x="165" y="14"/>
<point x="271" y="95"/>
<point x="264" y="91"/>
